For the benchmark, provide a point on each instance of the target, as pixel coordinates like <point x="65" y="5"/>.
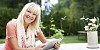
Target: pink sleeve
<point x="10" y="30"/>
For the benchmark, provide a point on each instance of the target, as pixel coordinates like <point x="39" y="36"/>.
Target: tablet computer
<point x="51" y="43"/>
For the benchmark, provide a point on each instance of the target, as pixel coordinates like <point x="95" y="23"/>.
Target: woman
<point x="21" y="32"/>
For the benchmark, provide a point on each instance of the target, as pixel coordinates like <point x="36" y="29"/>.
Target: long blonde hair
<point x="31" y="31"/>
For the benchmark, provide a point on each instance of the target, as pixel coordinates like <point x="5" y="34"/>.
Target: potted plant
<point x="91" y="26"/>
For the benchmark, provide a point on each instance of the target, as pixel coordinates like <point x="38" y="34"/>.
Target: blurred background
<point x="58" y="17"/>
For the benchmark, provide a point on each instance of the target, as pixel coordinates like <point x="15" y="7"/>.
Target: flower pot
<point x="92" y="39"/>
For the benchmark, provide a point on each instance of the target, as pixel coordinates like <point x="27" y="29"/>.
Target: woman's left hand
<point x="57" y="45"/>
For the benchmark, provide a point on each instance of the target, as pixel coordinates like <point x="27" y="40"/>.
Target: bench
<point x="80" y="33"/>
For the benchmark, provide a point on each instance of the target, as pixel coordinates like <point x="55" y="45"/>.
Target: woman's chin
<point x="28" y="21"/>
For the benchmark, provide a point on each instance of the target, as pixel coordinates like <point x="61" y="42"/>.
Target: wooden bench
<point x="82" y="33"/>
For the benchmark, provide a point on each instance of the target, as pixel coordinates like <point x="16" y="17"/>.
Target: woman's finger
<point x="41" y="49"/>
<point x="57" y="45"/>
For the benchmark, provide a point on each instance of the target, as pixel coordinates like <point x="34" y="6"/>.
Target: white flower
<point x="91" y="24"/>
<point x="93" y="20"/>
<point x="92" y="28"/>
<point x="87" y="19"/>
<point x="86" y="27"/>
<point x="82" y="18"/>
<point x="94" y="25"/>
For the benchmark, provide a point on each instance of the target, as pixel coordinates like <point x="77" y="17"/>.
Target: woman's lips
<point x="30" y="18"/>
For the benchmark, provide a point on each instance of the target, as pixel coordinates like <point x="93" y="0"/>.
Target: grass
<point x="67" y="39"/>
<point x="73" y="39"/>
<point x="2" y="41"/>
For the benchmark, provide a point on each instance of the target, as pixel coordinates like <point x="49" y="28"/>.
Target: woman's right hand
<point x="39" y="47"/>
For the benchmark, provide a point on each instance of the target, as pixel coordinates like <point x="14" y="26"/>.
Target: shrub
<point x="6" y="14"/>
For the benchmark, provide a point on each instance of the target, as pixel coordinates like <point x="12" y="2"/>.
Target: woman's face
<point x="29" y="17"/>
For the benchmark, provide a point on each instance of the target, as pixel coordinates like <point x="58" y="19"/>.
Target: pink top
<point x="11" y="31"/>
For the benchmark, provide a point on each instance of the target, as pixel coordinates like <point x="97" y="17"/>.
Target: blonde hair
<point x="31" y="31"/>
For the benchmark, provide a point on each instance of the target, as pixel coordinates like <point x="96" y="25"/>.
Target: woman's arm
<point x="41" y="36"/>
<point x="14" y="45"/>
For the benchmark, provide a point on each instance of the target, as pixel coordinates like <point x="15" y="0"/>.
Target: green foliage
<point x="73" y="10"/>
<point x="57" y="35"/>
<point x="12" y="3"/>
<point x="42" y="26"/>
<point x="57" y="18"/>
<point x="58" y="32"/>
<point x="6" y="14"/>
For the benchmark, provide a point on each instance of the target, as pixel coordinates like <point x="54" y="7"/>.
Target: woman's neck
<point x="25" y="26"/>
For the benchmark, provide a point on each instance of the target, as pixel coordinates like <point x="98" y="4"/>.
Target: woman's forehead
<point x="33" y="9"/>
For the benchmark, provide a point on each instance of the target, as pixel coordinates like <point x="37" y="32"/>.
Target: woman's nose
<point x="30" y="14"/>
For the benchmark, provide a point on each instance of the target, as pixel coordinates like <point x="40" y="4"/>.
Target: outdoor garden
<point x="61" y="20"/>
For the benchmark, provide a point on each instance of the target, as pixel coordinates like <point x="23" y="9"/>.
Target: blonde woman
<point x="21" y="32"/>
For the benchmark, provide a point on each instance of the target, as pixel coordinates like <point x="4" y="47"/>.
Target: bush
<point x="6" y="14"/>
<point x="57" y="35"/>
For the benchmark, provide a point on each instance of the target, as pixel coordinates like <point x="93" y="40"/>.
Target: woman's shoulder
<point x="12" y="22"/>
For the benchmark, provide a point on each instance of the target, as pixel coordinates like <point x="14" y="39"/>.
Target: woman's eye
<point x="34" y="14"/>
<point x="29" y="11"/>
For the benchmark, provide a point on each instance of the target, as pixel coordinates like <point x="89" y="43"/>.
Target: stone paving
<point x="76" y="46"/>
<point x="2" y="46"/>
<point x="70" y="46"/>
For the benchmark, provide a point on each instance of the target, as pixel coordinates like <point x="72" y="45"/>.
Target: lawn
<point x="2" y="41"/>
<point x="67" y="39"/>
<point x="73" y="39"/>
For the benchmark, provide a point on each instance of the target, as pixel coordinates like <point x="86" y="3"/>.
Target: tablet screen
<point x="51" y="43"/>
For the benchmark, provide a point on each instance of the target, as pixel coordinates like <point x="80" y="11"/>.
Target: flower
<point x="91" y="24"/>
